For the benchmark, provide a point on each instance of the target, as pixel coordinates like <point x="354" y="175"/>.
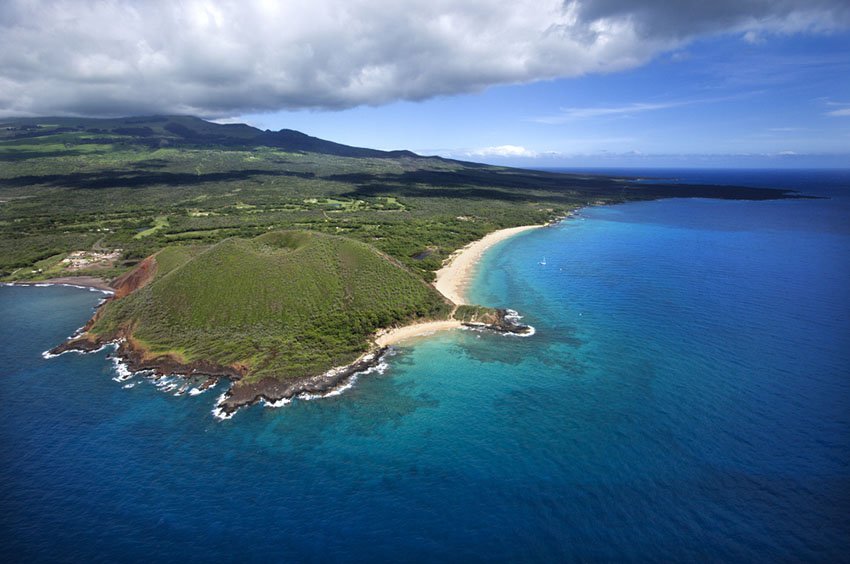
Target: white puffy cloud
<point x="227" y="57"/>
<point x="503" y="151"/>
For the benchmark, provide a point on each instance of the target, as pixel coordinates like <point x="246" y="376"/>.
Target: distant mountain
<point x="192" y="131"/>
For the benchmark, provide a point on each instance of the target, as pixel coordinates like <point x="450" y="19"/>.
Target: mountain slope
<point x="283" y="305"/>
<point x="189" y="131"/>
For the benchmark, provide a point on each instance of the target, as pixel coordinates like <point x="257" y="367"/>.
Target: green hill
<point x="285" y="304"/>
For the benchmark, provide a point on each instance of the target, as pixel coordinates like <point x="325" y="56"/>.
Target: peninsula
<point x="285" y="313"/>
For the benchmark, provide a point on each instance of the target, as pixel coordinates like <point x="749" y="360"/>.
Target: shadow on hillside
<point x="509" y="185"/>
<point x="474" y="183"/>
<point x="466" y="193"/>
<point x="125" y="179"/>
<point x="524" y="186"/>
<point x="491" y="178"/>
<point x="150" y="163"/>
<point x="13" y="155"/>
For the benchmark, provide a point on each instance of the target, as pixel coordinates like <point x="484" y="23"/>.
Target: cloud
<point x="843" y="108"/>
<point x="687" y="18"/>
<point x="570" y="114"/>
<point x="753" y="37"/>
<point x="229" y="57"/>
<point x="503" y="151"/>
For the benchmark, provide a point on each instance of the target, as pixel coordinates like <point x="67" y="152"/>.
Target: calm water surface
<point x="686" y="397"/>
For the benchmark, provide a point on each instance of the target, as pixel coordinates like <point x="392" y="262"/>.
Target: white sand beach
<point x="399" y="334"/>
<point x="452" y="281"/>
<point x="454" y="277"/>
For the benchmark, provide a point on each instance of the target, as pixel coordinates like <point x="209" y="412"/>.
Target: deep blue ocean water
<point x="686" y="397"/>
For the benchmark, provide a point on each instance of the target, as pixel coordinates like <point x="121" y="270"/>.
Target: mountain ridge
<point x="195" y="131"/>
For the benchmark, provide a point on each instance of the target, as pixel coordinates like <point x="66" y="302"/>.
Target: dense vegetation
<point x="284" y="304"/>
<point x="141" y="184"/>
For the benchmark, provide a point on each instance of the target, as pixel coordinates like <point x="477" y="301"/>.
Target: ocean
<point x="686" y="397"/>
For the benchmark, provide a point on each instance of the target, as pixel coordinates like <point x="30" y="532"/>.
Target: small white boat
<point x="542" y="262"/>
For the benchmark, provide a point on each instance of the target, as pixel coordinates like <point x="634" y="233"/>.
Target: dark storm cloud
<point x="230" y="57"/>
<point x="685" y="18"/>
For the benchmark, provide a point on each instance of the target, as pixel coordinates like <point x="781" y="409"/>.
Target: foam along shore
<point x="398" y="334"/>
<point x="454" y="277"/>
<point x="75" y="281"/>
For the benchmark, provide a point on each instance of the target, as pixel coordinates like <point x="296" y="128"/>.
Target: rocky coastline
<point x="268" y="390"/>
<point x="136" y="360"/>
<point x="273" y="391"/>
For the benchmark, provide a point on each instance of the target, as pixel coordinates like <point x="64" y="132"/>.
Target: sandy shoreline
<point x="83" y="281"/>
<point x="452" y="281"/>
<point x="454" y="277"/>
<point x="399" y="334"/>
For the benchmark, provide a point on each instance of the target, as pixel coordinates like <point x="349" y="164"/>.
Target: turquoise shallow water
<point x="685" y="397"/>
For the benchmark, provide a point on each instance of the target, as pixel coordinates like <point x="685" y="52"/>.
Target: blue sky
<point x="719" y="101"/>
<point x="526" y="82"/>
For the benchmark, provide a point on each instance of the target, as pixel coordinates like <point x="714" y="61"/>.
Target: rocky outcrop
<point x="85" y="344"/>
<point x="274" y="390"/>
<point x="140" y="360"/>
<point x="501" y="321"/>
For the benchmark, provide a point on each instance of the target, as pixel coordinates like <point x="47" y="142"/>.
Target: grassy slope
<point x="285" y="304"/>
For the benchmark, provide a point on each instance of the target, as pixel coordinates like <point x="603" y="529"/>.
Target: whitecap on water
<point x="379" y="368"/>
<point x="218" y="412"/>
<point x="531" y="331"/>
<point x="122" y="372"/>
<point x="278" y="403"/>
